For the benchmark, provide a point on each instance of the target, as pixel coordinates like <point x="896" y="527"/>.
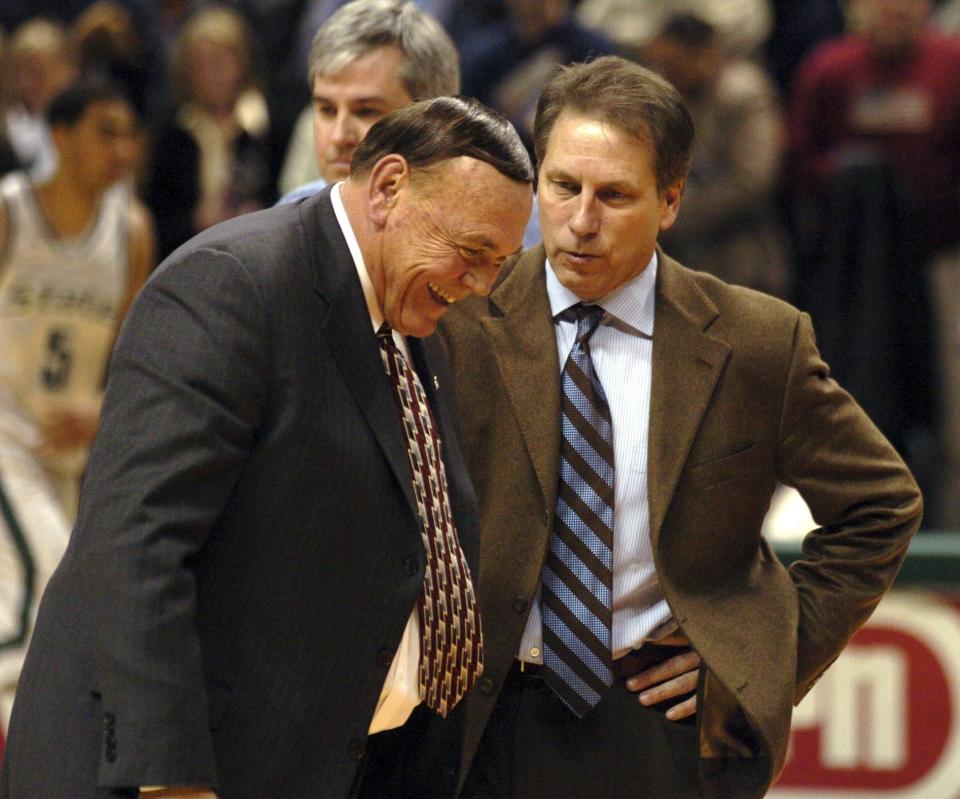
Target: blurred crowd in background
<point x="826" y="171"/>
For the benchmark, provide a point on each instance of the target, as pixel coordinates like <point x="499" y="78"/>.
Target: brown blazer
<point x="740" y="401"/>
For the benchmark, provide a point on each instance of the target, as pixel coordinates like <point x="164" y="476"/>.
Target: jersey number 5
<point x="57" y="360"/>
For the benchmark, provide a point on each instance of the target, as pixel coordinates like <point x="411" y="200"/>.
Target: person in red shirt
<point x="889" y="89"/>
<point x="874" y="181"/>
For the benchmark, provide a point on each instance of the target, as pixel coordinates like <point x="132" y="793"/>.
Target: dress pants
<point x="534" y="746"/>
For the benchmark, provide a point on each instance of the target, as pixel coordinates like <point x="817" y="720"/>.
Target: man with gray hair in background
<point x="368" y="59"/>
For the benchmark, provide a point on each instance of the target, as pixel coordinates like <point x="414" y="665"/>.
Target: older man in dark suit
<point x="626" y="421"/>
<point x="271" y="561"/>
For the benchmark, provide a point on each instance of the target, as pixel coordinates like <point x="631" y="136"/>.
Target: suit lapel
<point x="521" y="333"/>
<point x="346" y="327"/>
<point x="687" y="361"/>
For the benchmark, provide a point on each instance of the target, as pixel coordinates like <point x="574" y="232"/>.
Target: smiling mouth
<point x="439" y="295"/>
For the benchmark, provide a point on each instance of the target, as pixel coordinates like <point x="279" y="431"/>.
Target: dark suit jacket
<point x="740" y="400"/>
<point x="247" y="551"/>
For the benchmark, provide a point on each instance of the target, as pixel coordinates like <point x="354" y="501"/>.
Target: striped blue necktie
<point x="578" y="573"/>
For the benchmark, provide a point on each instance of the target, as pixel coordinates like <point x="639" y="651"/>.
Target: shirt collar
<point x="632" y="303"/>
<point x="373" y="307"/>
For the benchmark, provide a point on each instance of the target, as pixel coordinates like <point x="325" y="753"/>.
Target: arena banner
<point x="884" y="721"/>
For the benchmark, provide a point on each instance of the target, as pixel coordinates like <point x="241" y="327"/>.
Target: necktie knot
<point x="588" y="319"/>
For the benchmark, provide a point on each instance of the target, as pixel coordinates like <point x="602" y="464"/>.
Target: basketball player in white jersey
<point x="73" y="252"/>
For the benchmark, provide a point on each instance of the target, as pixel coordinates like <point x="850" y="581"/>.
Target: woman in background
<point x="210" y="158"/>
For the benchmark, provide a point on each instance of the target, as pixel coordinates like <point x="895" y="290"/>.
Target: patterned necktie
<point x="578" y="572"/>
<point x="451" y="641"/>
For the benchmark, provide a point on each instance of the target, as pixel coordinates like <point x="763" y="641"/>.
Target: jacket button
<point x="410" y="566"/>
<point x="384" y="658"/>
<point x="485" y="685"/>
<point x="520" y="604"/>
<point x="355" y="750"/>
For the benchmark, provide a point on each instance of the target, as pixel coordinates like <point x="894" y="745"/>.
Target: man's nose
<point x="345" y="130"/>
<point x="480" y="279"/>
<point x="585" y="220"/>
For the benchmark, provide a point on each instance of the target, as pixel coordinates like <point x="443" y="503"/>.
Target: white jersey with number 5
<point x="58" y="308"/>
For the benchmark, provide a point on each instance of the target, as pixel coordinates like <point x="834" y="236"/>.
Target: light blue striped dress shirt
<point x="622" y="353"/>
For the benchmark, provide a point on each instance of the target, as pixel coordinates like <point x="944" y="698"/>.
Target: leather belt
<point x="635" y="661"/>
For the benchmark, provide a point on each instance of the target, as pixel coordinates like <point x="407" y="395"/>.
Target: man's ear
<point x="670" y="200"/>
<point x="388" y="177"/>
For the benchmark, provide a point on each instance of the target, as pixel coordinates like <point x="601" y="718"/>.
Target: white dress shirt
<point x="622" y="352"/>
<point x="401" y="689"/>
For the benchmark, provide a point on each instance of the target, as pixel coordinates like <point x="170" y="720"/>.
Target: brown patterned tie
<point x="451" y="641"/>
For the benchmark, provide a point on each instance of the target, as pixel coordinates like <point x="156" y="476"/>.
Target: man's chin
<point x="421" y="327"/>
<point x="426" y="328"/>
<point x="580" y="282"/>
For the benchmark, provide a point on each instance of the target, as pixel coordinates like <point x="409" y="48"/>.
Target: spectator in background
<point x="797" y="28"/>
<point x="39" y="66"/>
<point x="109" y="46"/>
<point x="14" y="13"/>
<point x="371" y="57"/>
<point x="8" y="158"/>
<point x="945" y="280"/>
<point x="210" y="159"/>
<point x="743" y="24"/>
<point x="75" y="251"/>
<point x="947" y="17"/>
<point x="507" y="64"/>
<point x="459" y="19"/>
<point x="874" y="162"/>
<point x="729" y="225"/>
<point x="890" y="91"/>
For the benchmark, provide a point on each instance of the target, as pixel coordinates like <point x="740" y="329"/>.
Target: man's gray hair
<point x="431" y="65"/>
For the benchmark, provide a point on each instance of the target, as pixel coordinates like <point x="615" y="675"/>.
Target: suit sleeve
<point x="861" y="495"/>
<point x="184" y="399"/>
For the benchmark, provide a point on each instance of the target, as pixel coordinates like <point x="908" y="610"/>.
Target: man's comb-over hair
<point x="431" y="131"/>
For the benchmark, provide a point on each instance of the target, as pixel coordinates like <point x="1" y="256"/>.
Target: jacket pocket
<point x="728" y="467"/>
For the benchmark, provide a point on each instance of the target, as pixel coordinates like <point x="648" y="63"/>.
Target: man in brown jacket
<point x="626" y="421"/>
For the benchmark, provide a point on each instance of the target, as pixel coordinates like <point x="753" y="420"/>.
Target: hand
<point x="179" y="793"/>
<point x="676" y="676"/>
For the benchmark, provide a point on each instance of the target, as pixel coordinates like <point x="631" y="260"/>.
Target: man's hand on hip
<point x="674" y="677"/>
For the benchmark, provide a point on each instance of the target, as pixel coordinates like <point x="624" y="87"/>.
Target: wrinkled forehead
<point x="476" y="198"/>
